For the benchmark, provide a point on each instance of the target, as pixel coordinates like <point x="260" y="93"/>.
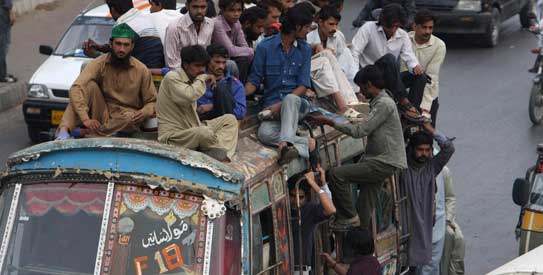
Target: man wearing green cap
<point x="114" y="93"/>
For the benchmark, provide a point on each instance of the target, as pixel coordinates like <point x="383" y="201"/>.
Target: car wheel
<point x="492" y="35"/>
<point x="36" y="134"/>
<point x="33" y="134"/>
<point x="525" y="14"/>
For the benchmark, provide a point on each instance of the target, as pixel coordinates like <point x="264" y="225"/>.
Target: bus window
<point x="263" y="243"/>
<point x="226" y="249"/>
<point x="53" y="221"/>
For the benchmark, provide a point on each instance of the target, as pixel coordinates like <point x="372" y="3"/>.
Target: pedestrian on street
<point x="7" y="19"/>
<point x="454" y="248"/>
<point x="385" y="153"/>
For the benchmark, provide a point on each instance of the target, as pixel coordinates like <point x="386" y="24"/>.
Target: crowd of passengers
<point x="289" y="55"/>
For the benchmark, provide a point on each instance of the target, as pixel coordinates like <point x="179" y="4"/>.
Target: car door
<point x="509" y="8"/>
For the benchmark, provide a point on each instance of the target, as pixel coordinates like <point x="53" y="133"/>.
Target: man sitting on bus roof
<point x="282" y="64"/>
<point x="311" y="214"/>
<point x="228" y="95"/>
<point x="105" y="98"/>
<point x="385" y="152"/>
<point x="178" y="122"/>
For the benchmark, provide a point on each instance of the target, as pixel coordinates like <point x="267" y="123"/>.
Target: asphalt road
<point x="484" y="103"/>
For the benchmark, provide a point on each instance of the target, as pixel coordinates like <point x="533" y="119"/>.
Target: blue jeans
<point x="293" y="110"/>
<point x="5" y="33"/>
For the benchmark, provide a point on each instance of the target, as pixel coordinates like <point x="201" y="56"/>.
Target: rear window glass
<point x="84" y="28"/>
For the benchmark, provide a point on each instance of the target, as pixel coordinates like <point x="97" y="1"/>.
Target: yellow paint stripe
<point x="532" y="221"/>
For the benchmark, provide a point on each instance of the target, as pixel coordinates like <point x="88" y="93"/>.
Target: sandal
<point x="408" y="107"/>
<point x="288" y="153"/>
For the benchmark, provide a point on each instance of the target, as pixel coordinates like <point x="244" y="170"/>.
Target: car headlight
<point x="469" y="5"/>
<point x="38" y="91"/>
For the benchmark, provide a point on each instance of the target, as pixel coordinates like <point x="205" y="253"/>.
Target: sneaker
<point x="353" y="115"/>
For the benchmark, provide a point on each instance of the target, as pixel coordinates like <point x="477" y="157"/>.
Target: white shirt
<point x="431" y="56"/>
<point x="138" y="22"/>
<point x="370" y="43"/>
<point x="336" y="42"/>
<point x="162" y="18"/>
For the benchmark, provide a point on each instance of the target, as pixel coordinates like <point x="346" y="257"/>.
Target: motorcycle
<point x="535" y="109"/>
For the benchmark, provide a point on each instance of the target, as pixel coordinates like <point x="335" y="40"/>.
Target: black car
<point x="477" y="17"/>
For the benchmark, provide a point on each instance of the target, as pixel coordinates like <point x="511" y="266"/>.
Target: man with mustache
<point x="253" y="21"/>
<point x="191" y="29"/>
<point x="178" y="122"/>
<point x="419" y="179"/>
<point x="430" y="51"/>
<point x="228" y="96"/>
<point x="385" y="152"/>
<point x="328" y="78"/>
<point x="382" y="43"/>
<point x="105" y="98"/>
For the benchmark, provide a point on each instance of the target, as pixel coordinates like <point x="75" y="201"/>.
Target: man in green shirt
<point x="385" y="152"/>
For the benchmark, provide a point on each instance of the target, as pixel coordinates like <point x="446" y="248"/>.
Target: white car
<point x="48" y="87"/>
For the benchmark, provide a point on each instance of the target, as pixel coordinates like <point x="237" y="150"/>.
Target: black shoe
<point x="288" y="153"/>
<point x="533" y="70"/>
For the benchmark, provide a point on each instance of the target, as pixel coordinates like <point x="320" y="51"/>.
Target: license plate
<point x="56" y="117"/>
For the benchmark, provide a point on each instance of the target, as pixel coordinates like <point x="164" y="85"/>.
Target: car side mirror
<point x="521" y="192"/>
<point x="46" y="50"/>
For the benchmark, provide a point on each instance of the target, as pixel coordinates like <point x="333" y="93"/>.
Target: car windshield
<point x="56" y="229"/>
<point x="83" y="28"/>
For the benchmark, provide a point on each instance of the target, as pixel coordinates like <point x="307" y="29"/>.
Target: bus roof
<point x="128" y="156"/>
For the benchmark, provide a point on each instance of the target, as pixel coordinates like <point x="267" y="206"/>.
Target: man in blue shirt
<point x="7" y="19"/>
<point x="228" y="95"/>
<point x="282" y="65"/>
